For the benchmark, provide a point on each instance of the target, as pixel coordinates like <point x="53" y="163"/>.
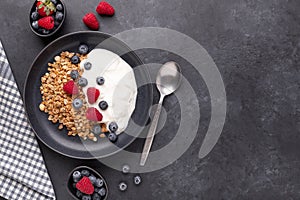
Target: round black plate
<point x="58" y="140"/>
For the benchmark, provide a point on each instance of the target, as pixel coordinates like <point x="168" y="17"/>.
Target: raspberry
<point x="105" y="8"/>
<point x="91" y="21"/>
<point x="92" y="94"/>
<point x="46" y="22"/>
<point x="93" y="114"/>
<point x="85" y="186"/>
<point x="71" y="88"/>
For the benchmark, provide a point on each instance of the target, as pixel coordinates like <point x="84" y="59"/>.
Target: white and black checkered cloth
<point x="23" y="174"/>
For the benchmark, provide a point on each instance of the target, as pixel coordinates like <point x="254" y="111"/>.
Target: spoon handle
<point x="151" y="133"/>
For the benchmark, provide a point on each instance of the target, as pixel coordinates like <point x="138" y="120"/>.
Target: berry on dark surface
<point x="45" y="32"/>
<point x="112" y="137"/>
<point x="96" y="196"/>
<point x="54" y="2"/>
<point x="96" y="129"/>
<point x="137" y="180"/>
<point x="85" y="185"/>
<point x="122" y="186"/>
<point x="86" y="197"/>
<point x="92" y="179"/>
<point x="76" y="176"/>
<point x="100" y="80"/>
<point x="35" y="24"/>
<point x="75" y="59"/>
<point x="59" y="7"/>
<point x="83" y="49"/>
<point x="103" y="105"/>
<point x="74" y="74"/>
<point x="102" y="192"/>
<point x="56" y="24"/>
<point x="78" y="194"/>
<point x="85" y="172"/>
<point x="87" y="65"/>
<point x="113" y="126"/>
<point x="77" y="103"/>
<point x="34" y="15"/>
<point x="99" y="182"/>
<point x="59" y="16"/>
<point x="82" y="82"/>
<point x="125" y="169"/>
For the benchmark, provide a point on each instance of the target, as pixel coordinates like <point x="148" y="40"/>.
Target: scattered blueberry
<point x="74" y="74"/>
<point x="123" y="186"/>
<point x="45" y="32"/>
<point x="112" y="137"/>
<point x="100" y="80"/>
<point x="78" y="194"/>
<point x="92" y="179"/>
<point x="59" y="16"/>
<point x="99" y="182"/>
<point x="35" y="24"/>
<point x="113" y="127"/>
<point x="59" y="7"/>
<point x="103" y="105"/>
<point x="96" y="129"/>
<point x="87" y="65"/>
<point x="96" y="197"/>
<point x="34" y="15"/>
<point x="102" y="192"/>
<point x="76" y="176"/>
<point x="137" y="180"/>
<point x="77" y="103"/>
<point x="54" y="2"/>
<point x="85" y="172"/>
<point x="83" y="49"/>
<point x="75" y="59"/>
<point x="86" y="197"/>
<point x="125" y="169"/>
<point x="82" y="82"/>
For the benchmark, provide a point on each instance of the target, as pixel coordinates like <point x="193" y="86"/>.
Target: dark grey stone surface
<point x="256" y="46"/>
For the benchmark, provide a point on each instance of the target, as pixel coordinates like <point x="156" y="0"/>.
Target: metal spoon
<point x="167" y="81"/>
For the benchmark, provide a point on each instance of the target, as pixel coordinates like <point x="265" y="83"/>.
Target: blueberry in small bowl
<point x="87" y="184"/>
<point x="46" y="17"/>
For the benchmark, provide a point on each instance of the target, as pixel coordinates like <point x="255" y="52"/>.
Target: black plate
<point x="58" y="140"/>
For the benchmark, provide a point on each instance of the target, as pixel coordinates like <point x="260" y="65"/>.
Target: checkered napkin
<point x="23" y="174"/>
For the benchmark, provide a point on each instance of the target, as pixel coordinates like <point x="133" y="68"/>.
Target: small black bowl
<point x="72" y="190"/>
<point x="55" y="29"/>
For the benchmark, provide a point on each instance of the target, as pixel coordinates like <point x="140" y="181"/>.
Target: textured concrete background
<point x="256" y="46"/>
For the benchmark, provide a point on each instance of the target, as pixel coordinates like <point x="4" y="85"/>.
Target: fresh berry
<point x="93" y="114"/>
<point x="103" y="105"/>
<point x="96" y="197"/>
<point x="76" y="176"/>
<point x="105" y="8"/>
<point x="92" y="94"/>
<point x="83" y="49"/>
<point x="85" y="172"/>
<point x="45" y="32"/>
<point x="125" y="169"/>
<point x="59" y="7"/>
<point x="102" y="192"/>
<point x="112" y="137"/>
<point x="46" y="22"/>
<point x="86" y="197"/>
<point x="34" y="15"/>
<point x="35" y="24"/>
<point x="91" y="21"/>
<point x="59" y="16"/>
<point x="87" y="65"/>
<point x="54" y="2"/>
<point x="77" y="103"/>
<point x="45" y="7"/>
<point x="75" y="59"/>
<point x="85" y="186"/>
<point x="82" y="82"/>
<point x="92" y="179"/>
<point x="74" y="74"/>
<point x="96" y="129"/>
<point x="99" y="182"/>
<point x="137" y="180"/>
<point x="71" y="88"/>
<point x="56" y="24"/>
<point x="78" y="194"/>
<point x="113" y="126"/>
<point x="100" y="80"/>
<point x="123" y="186"/>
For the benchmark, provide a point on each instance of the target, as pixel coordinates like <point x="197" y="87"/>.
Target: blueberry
<point x="125" y="169"/>
<point x="96" y="197"/>
<point x="54" y="2"/>
<point x="59" y="7"/>
<point x="75" y="59"/>
<point x="34" y="15"/>
<point x="103" y="105"/>
<point x="96" y="129"/>
<point x="99" y="182"/>
<point x="83" y="49"/>
<point x="76" y="176"/>
<point x="82" y="82"/>
<point x="102" y="192"/>
<point x="123" y="186"/>
<point x="59" y="16"/>
<point x="74" y="185"/>
<point x="100" y="80"/>
<point x="40" y="30"/>
<point x="96" y="190"/>
<point x="87" y="65"/>
<point x="35" y="24"/>
<point x="112" y="137"/>
<point x="56" y="23"/>
<point x="78" y="194"/>
<point x="74" y="74"/>
<point x="137" y="180"/>
<point x="85" y="172"/>
<point x="45" y="32"/>
<point x="113" y="127"/>
<point x="92" y="179"/>
<point x="86" y="197"/>
<point x="77" y="103"/>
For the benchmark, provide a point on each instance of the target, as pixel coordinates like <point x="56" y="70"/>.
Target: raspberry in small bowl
<point x="86" y="183"/>
<point x="46" y="17"/>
